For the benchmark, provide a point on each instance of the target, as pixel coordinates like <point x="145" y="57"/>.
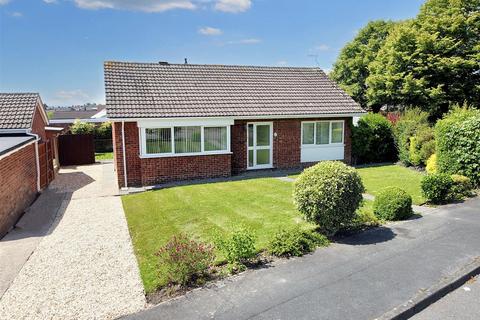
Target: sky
<point x="57" y="47"/>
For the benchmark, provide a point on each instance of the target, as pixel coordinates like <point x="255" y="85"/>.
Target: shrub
<point x="461" y="187"/>
<point x="104" y="131"/>
<point x="372" y="140"/>
<point x="328" y="194"/>
<point x="393" y="203"/>
<point x="411" y="121"/>
<point x="422" y="146"/>
<point x="295" y="242"/>
<point x="182" y="260"/>
<point x="458" y="143"/>
<point x="432" y="164"/>
<point x="437" y="187"/>
<point x="238" y="246"/>
<point x="80" y="127"/>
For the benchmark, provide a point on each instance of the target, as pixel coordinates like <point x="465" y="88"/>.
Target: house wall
<point x="150" y="171"/>
<point x="19" y="185"/>
<point x="286" y="144"/>
<point x="38" y="124"/>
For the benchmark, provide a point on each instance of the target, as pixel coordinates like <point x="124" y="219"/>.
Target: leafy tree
<point x="351" y="68"/>
<point x="431" y="61"/>
<point x="80" y="127"/>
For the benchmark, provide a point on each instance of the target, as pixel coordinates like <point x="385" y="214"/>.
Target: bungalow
<point x="184" y="121"/>
<point x="27" y="153"/>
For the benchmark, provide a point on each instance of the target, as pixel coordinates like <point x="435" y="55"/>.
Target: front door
<point x="259" y="145"/>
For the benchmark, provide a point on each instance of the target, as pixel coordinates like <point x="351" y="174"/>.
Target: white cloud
<point x="245" y="41"/>
<point x="16" y="14"/>
<point x="210" y="31"/>
<point x="282" y="63"/>
<point x="3" y="2"/>
<point x="233" y="6"/>
<point x="70" y="97"/>
<point x="136" y="5"/>
<point x="50" y="1"/>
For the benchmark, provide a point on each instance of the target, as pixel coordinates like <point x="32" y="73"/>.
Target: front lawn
<point x="378" y="177"/>
<point x="153" y="217"/>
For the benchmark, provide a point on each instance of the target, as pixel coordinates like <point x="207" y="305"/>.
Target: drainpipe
<point x="37" y="160"/>
<point x="124" y="156"/>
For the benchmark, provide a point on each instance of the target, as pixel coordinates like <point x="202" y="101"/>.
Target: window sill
<point x="175" y="155"/>
<point x="316" y="146"/>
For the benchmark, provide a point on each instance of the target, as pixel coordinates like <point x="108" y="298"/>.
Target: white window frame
<point x="143" y="141"/>
<point x="255" y="147"/>
<point x="330" y="143"/>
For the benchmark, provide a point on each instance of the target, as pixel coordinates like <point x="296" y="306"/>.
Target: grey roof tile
<point x="17" y="110"/>
<point x="152" y="90"/>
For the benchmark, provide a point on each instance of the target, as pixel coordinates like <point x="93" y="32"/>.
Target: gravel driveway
<point x="85" y="268"/>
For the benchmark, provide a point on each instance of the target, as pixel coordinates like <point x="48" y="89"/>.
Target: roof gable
<point x="153" y="90"/>
<point x="17" y="110"/>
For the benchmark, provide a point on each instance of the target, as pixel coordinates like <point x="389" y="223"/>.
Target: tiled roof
<point x="17" y="110"/>
<point x="76" y="114"/>
<point x="154" y="90"/>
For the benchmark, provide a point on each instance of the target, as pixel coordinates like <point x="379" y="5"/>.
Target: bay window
<point x="184" y="140"/>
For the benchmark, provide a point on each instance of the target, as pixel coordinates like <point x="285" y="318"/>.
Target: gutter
<point x="124" y="157"/>
<point x="37" y="157"/>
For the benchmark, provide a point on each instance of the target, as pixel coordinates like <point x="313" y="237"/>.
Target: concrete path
<point x="463" y="303"/>
<point x="359" y="277"/>
<point x="84" y="267"/>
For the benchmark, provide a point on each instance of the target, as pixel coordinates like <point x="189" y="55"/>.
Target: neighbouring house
<point x="183" y="121"/>
<point x="27" y="154"/>
<point x="65" y="118"/>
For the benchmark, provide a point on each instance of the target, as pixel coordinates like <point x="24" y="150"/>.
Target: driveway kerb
<point x="434" y="293"/>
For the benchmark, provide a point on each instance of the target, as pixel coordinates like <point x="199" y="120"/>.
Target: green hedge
<point x="295" y="242"/>
<point x="328" y="194"/>
<point x="372" y="140"/>
<point x="393" y="203"/>
<point x="458" y="143"/>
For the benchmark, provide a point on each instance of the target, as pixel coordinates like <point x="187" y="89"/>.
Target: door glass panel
<point x="263" y="156"/>
<point x="250" y="135"/>
<point x="250" y="158"/>
<point x="308" y="133"/>
<point x="337" y="132"/>
<point x="263" y="135"/>
<point x="323" y="132"/>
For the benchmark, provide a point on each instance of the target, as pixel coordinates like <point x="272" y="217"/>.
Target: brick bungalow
<point x="183" y="121"/>
<point x="26" y="154"/>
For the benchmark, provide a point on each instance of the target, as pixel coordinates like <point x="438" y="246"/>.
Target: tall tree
<point x="432" y="61"/>
<point x="351" y="68"/>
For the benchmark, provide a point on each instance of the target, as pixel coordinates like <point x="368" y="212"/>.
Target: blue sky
<point x="57" y="47"/>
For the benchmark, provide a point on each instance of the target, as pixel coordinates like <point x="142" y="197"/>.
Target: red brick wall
<point x="286" y="145"/>
<point x="38" y="124"/>
<point x="150" y="171"/>
<point x="18" y="189"/>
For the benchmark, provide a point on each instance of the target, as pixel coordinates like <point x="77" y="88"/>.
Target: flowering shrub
<point x="182" y="260"/>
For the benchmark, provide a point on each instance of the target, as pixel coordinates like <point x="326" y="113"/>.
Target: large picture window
<point x="322" y="132"/>
<point x="185" y="140"/>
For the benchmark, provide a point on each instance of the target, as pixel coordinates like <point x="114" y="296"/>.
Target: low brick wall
<point x="18" y="187"/>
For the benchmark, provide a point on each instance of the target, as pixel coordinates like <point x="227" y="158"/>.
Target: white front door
<point x="259" y="145"/>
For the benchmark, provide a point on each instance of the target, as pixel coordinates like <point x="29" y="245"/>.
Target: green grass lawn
<point x="103" y="156"/>
<point x="200" y="210"/>
<point x="376" y="178"/>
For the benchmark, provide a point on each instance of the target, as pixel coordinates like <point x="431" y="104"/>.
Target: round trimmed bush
<point x="393" y="203"/>
<point x="328" y="194"/>
<point x="436" y="187"/>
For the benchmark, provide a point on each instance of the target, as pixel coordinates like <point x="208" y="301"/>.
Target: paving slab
<point x="359" y="277"/>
